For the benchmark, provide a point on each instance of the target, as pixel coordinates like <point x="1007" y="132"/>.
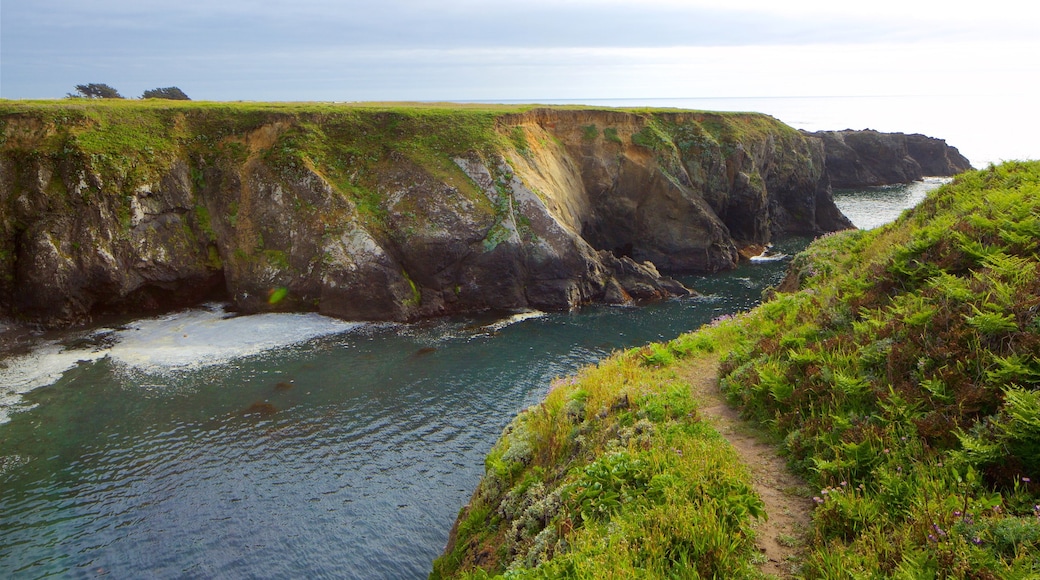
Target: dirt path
<point x="781" y="537"/>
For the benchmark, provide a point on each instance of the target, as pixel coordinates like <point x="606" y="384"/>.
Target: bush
<point x="94" y="91"/>
<point x="171" y="93"/>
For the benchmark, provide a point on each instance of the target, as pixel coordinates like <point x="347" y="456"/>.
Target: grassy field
<point x="900" y="372"/>
<point x="130" y="142"/>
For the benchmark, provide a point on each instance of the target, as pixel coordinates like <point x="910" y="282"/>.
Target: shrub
<point x="171" y="93"/>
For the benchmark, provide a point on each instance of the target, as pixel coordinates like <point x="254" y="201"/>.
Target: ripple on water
<point x="146" y="462"/>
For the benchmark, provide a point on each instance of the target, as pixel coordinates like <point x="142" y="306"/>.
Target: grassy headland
<point x="128" y="205"/>
<point x="899" y="369"/>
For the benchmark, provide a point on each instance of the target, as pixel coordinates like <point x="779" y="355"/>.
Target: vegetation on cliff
<point x="899" y="367"/>
<point x="375" y="212"/>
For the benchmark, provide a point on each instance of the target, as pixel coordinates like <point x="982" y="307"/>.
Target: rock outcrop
<point x="869" y="158"/>
<point x="385" y="214"/>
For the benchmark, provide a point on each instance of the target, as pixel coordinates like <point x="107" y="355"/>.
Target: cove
<point x="287" y="445"/>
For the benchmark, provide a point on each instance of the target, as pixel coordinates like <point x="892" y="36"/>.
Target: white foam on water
<point x="40" y="368"/>
<point x="200" y="338"/>
<point x="185" y="340"/>
<point x="518" y="317"/>
<point x="765" y="257"/>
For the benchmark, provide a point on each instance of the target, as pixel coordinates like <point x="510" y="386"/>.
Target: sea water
<point x="985" y="128"/>
<point x="199" y="444"/>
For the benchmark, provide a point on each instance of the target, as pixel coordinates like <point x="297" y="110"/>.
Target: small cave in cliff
<point x="623" y="251"/>
<point x="157" y="297"/>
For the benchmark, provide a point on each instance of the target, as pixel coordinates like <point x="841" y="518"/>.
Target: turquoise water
<point x="202" y="445"/>
<point x="194" y="445"/>
<point x="876" y="206"/>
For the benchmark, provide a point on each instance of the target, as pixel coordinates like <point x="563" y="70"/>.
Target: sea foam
<point x="184" y="340"/>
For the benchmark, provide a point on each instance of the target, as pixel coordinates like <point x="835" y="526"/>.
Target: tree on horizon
<point x="94" y="91"/>
<point x="172" y="93"/>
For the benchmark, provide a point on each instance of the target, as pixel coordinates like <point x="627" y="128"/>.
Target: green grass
<point x="133" y="142"/>
<point x="912" y="401"/>
<point x="613" y="474"/>
<point x="902" y="378"/>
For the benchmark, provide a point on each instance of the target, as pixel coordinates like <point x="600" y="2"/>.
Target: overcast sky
<point x="508" y="50"/>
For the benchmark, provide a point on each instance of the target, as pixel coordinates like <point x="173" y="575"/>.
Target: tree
<point x="172" y="93"/>
<point x="95" y="91"/>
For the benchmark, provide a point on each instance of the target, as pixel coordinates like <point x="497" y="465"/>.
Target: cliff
<point x="898" y="375"/>
<point x="868" y="158"/>
<point x="384" y="212"/>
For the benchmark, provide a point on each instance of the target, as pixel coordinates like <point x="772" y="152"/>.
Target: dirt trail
<point x="781" y="537"/>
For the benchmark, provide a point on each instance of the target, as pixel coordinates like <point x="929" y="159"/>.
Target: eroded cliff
<point x="384" y="213"/>
<point x="869" y="158"/>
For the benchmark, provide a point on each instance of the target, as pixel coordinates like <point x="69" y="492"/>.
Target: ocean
<point x="197" y="445"/>
<point x="984" y="128"/>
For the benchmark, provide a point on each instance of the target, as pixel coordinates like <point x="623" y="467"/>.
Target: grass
<point x="903" y="379"/>
<point x="132" y="142"/>
<point x="613" y="471"/>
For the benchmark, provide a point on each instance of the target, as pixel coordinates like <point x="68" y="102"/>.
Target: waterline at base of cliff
<point x="347" y="452"/>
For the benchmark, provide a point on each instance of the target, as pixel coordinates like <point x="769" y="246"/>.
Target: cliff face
<point x="682" y="190"/>
<point x="868" y="158"/>
<point x="384" y="214"/>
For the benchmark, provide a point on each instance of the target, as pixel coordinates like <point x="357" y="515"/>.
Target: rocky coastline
<point x="402" y="213"/>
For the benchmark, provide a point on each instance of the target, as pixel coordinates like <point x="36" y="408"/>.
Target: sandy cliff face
<point x="385" y="214"/>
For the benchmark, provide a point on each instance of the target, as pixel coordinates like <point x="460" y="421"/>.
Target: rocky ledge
<point x="869" y="158"/>
<point x="386" y="213"/>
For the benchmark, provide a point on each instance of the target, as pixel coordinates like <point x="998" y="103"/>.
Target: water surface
<point x="284" y="445"/>
<point x="290" y="445"/>
<point x="877" y="206"/>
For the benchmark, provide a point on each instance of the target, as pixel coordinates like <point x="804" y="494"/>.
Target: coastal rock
<point x="869" y="158"/>
<point x="393" y="215"/>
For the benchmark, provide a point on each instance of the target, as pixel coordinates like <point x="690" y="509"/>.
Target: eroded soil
<point x="781" y="537"/>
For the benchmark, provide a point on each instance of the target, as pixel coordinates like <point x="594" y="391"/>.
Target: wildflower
<point x="932" y="538"/>
<point x="817" y="499"/>
<point x="720" y="319"/>
<point x="1026" y="480"/>
<point x="977" y="541"/>
<point x="844" y="483"/>
<point x="996" y="509"/>
<point x="956" y="513"/>
<point x="886" y="451"/>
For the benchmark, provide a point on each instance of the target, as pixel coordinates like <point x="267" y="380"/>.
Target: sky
<point x="350" y="50"/>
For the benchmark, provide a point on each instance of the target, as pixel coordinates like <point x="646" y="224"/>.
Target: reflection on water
<point x="877" y="206"/>
<point x="286" y="445"/>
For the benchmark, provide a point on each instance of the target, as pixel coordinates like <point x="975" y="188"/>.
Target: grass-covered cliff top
<point x="139" y="128"/>
<point x="129" y="144"/>
<point x="900" y="373"/>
